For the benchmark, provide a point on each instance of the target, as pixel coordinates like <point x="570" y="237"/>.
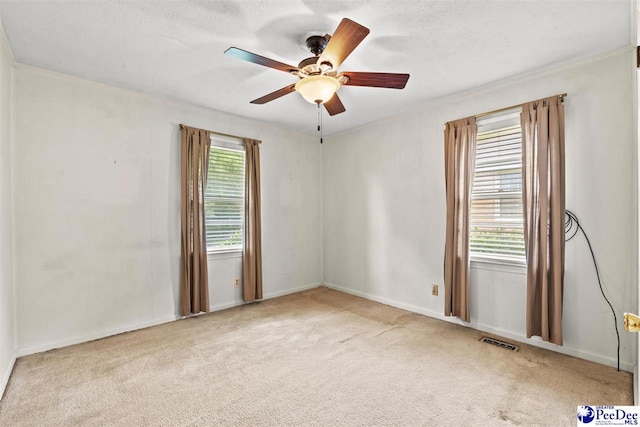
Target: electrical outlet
<point x="236" y="283"/>
<point x="434" y="290"/>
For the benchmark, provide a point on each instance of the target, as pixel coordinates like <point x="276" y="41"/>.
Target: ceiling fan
<point x="318" y="75"/>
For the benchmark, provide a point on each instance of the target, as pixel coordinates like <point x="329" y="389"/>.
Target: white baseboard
<point x="78" y="340"/>
<point x="409" y="307"/>
<point x="537" y="342"/>
<point x="85" y="338"/>
<point x="265" y="296"/>
<point x="636" y="399"/>
<point x="292" y="291"/>
<point x="5" y="377"/>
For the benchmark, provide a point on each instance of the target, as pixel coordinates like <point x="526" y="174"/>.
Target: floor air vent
<point x="499" y="343"/>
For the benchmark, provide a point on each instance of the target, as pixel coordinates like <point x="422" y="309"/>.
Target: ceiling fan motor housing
<point x="310" y="66"/>
<point x="316" y="44"/>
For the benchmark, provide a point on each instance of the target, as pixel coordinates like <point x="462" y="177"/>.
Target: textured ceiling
<point x="175" y="48"/>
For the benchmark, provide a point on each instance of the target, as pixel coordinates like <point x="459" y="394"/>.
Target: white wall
<point x="7" y="314"/>
<point x="635" y="36"/>
<point x="384" y="208"/>
<point x="97" y="209"/>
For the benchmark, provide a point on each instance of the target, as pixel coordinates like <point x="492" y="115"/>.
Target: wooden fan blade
<point x="275" y="95"/>
<point x="388" y="80"/>
<point x="260" y="60"/>
<point x="334" y="105"/>
<point x="347" y="37"/>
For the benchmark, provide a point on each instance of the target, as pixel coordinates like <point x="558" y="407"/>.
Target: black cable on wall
<point x="571" y="227"/>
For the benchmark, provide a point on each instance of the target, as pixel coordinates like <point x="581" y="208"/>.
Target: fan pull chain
<point x="320" y="121"/>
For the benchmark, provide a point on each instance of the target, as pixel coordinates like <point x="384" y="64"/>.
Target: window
<point x="496" y="220"/>
<point x="224" y="195"/>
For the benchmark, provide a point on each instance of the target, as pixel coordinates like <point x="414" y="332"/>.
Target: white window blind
<point x="224" y="199"/>
<point x="496" y="222"/>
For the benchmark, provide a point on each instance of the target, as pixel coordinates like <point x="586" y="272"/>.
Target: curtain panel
<point x="252" y="250"/>
<point x="460" y="153"/>
<point x="543" y="163"/>
<point x="194" y="287"/>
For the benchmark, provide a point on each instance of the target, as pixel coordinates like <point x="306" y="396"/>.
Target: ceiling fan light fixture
<point x="317" y="89"/>
<point x="318" y="76"/>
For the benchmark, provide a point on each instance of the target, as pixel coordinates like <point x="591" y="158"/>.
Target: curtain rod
<point x="217" y="133"/>
<point x="477" y="116"/>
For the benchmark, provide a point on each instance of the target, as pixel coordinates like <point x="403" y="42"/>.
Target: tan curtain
<point x="544" y="212"/>
<point x="194" y="288"/>
<point x="252" y="251"/>
<point x="460" y="159"/>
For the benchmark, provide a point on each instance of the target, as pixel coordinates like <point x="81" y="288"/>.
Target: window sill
<point x="215" y="255"/>
<point x="508" y="266"/>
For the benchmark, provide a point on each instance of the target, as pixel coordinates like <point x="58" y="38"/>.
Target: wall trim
<point x="494" y="86"/>
<point x="12" y="197"/>
<point x="40" y="348"/>
<point x="635" y="385"/>
<point x="4" y="381"/>
<point x="4" y="46"/>
<point x="625" y="366"/>
<point x="635" y="40"/>
<point x="167" y="100"/>
<point x="4" y="41"/>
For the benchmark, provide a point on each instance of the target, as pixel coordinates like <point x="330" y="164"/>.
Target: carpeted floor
<point x="315" y="358"/>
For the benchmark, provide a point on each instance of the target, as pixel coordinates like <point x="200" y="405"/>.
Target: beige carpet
<point x="316" y="358"/>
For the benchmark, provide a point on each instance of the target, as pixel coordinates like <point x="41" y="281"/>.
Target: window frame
<point x="232" y="144"/>
<point x="488" y="123"/>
